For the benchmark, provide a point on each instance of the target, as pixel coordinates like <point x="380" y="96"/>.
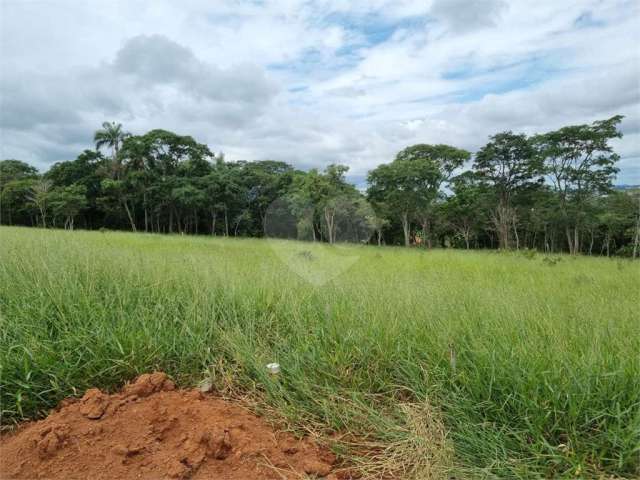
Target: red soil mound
<point x="151" y="431"/>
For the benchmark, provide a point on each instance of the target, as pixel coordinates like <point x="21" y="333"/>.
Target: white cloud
<point x="462" y="15"/>
<point x="315" y="82"/>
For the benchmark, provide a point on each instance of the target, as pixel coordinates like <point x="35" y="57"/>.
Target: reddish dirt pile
<point x="151" y="430"/>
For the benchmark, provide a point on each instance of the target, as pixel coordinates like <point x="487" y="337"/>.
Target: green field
<point x="477" y="363"/>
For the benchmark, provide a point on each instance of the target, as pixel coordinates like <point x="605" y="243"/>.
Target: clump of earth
<point x="151" y="430"/>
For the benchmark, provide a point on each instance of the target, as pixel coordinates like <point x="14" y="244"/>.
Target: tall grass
<point x="531" y="366"/>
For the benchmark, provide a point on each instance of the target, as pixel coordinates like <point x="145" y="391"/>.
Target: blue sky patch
<point x="373" y="28"/>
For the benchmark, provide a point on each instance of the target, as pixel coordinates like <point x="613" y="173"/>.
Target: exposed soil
<point x="151" y="430"/>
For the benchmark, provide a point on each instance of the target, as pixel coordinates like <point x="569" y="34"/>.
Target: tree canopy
<point x="553" y="192"/>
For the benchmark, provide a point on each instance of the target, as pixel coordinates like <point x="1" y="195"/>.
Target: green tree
<point x="19" y="210"/>
<point x="540" y="213"/>
<point x="377" y="223"/>
<point x="507" y="164"/>
<point x="465" y="210"/>
<point x="617" y="218"/>
<point x="68" y="202"/>
<point x="443" y="160"/>
<point x="187" y="199"/>
<point x="327" y="205"/>
<point x="87" y="170"/>
<point x="227" y="194"/>
<point x="178" y="184"/>
<point x="12" y="171"/>
<point x="157" y="163"/>
<point x="39" y="196"/>
<point x="332" y="189"/>
<point x="408" y="186"/>
<point x="266" y="181"/>
<point x="117" y="195"/>
<point x="579" y="162"/>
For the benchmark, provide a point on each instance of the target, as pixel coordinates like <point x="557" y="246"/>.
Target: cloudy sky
<point x="315" y="82"/>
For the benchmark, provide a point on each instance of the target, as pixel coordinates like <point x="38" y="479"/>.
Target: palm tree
<point x="111" y="135"/>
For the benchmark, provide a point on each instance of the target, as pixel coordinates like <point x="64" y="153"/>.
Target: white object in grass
<point x="273" y="368"/>
<point x="206" y="385"/>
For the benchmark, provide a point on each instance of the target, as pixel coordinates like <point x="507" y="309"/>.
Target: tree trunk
<point x="226" y="222"/>
<point x="569" y="240"/>
<point x="546" y="240"/>
<point x="406" y="229"/>
<point x="502" y="221"/>
<point x="214" y="216"/>
<point x="329" y="218"/>
<point x="573" y="240"/>
<point x="263" y="218"/>
<point x="133" y="223"/>
<point x="426" y="231"/>
<point x="179" y="221"/>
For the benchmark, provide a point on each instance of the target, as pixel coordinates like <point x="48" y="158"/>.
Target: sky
<point x="315" y="82"/>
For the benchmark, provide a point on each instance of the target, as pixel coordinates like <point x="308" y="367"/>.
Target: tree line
<point x="551" y="192"/>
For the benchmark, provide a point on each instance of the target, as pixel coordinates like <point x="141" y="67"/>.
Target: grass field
<point x="477" y="363"/>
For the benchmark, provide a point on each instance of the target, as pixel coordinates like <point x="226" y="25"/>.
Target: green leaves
<point x="579" y="159"/>
<point x="406" y="188"/>
<point x="507" y="163"/>
<point x="544" y="192"/>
